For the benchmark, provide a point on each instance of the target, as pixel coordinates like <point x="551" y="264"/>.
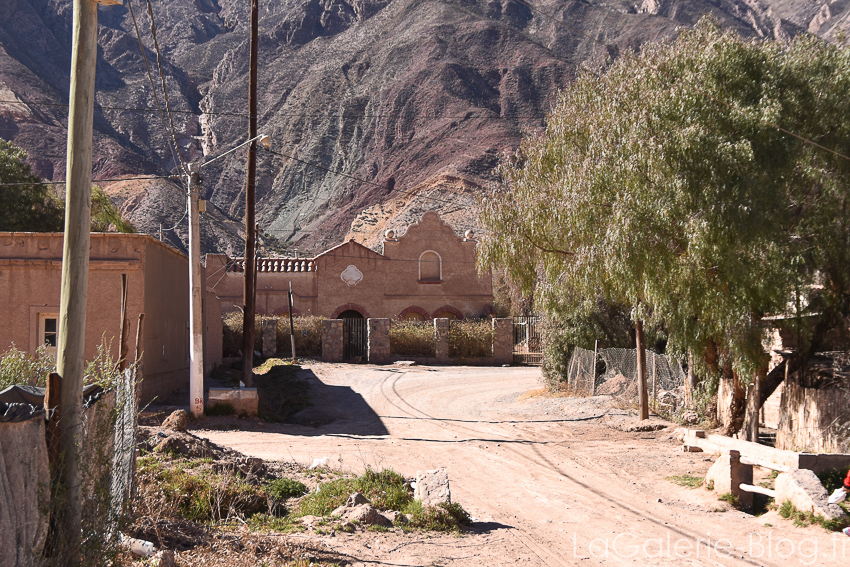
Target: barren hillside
<point x="414" y="100"/>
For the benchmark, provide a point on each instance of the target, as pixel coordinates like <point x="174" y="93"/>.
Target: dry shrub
<point x="231" y="333"/>
<point x="412" y="338"/>
<point x="308" y="336"/>
<point x="471" y="338"/>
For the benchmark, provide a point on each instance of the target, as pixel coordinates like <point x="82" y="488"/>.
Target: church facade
<point x="428" y="272"/>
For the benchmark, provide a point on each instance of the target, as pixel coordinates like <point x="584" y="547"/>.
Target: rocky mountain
<point x="378" y="109"/>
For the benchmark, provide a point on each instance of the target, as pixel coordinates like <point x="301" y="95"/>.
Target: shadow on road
<point x="331" y="410"/>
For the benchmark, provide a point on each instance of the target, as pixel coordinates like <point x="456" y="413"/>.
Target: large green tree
<point x="28" y="205"/>
<point x="673" y="182"/>
<point x="25" y="203"/>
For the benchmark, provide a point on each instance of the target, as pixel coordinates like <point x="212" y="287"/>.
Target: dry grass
<point x="413" y="338"/>
<point x="471" y="338"/>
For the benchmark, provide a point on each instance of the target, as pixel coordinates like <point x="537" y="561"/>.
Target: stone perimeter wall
<point x="378" y="347"/>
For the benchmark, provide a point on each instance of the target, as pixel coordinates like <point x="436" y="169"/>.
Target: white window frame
<point x="439" y="265"/>
<point x="40" y="331"/>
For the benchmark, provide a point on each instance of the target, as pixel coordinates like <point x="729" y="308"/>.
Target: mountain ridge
<point x="415" y="101"/>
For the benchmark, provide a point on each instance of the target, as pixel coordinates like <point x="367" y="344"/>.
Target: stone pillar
<point x="378" y="333"/>
<point x="269" y="337"/>
<point x="441" y="337"/>
<point x="728" y="473"/>
<point x="332" y="348"/>
<point x="503" y="341"/>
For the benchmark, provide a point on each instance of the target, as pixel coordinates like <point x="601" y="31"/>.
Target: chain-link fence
<point x="665" y="378"/>
<point x="30" y="459"/>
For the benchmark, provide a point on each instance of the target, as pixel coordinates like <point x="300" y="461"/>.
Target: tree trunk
<point x="643" y="393"/>
<point x="737" y="404"/>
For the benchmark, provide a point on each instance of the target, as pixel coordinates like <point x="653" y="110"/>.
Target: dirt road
<point x="549" y="481"/>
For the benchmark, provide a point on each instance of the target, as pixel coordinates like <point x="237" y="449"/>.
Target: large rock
<point x="804" y="490"/>
<point x="176" y="421"/>
<point x="432" y="487"/>
<point x="363" y="514"/>
<point x="727" y="474"/>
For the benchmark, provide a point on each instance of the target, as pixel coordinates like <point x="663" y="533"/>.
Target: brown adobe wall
<point x="30" y="281"/>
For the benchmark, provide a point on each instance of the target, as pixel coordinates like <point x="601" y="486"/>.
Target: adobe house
<point x="429" y="272"/>
<point x="157" y="285"/>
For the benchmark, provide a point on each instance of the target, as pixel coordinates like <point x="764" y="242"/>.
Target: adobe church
<point x="428" y="272"/>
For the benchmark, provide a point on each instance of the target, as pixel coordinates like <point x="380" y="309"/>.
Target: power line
<point x="164" y="89"/>
<point x="692" y="85"/>
<point x="27" y="102"/>
<point x="175" y="150"/>
<point x="93" y="180"/>
<point x="477" y="113"/>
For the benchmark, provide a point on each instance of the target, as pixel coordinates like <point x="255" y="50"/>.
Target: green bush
<point x="283" y="488"/>
<point x="19" y="367"/>
<point x="443" y="517"/>
<point x="471" y="338"/>
<point x="413" y="338"/>
<point x="385" y="489"/>
<point x="308" y="336"/>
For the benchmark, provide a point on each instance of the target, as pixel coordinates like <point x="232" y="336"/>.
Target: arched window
<point x="430" y="267"/>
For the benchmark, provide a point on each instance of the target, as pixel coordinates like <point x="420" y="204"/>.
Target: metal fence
<point x="354" y="340"/>
<point x="664" y="376"/>
<point x="528" y="346"/>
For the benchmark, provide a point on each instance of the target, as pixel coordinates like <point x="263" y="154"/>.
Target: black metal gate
<point x="528" y="348"/>
<point x="354" y="339"/>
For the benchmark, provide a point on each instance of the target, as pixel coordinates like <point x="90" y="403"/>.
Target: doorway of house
<point x="353" y="336"/>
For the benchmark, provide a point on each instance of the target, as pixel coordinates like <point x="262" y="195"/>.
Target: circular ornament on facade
<point x="351" y="275"/>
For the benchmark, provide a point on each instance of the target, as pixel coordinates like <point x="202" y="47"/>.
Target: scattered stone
<point x="310" y="521"/>
<point x="397" y="518"/>
<point x="364" y="514"/>
<point x="644" y="427"/>
<point x="251" y="466"/>
<point x="319" y="463"/>
<point x="405" y="363"/>
<point x="432" y="487"/>
<point x="176" y="421"/>
<point x="169" y="445"/>
<point x="355" y="499"/>
<point x="804" y="490"/>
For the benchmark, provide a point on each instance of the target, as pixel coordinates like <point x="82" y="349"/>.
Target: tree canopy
<point x="671" y="183"/>
<point x="28" y="205"/>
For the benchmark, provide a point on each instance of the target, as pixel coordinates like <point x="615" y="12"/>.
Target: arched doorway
<point x="354" y="339"/>
<point x="350" y="314"/>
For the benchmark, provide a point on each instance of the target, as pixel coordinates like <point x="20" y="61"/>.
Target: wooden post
<point x="643" y="395"/>
<point x="291" y="324"/>
<point x="137" y="370"/>
<point x="595" y="354"/>
<point x="125" y="327"/>
<point x="52" y="397"/>
<point x="249" y="297"/>
<point x="75" y="271"/>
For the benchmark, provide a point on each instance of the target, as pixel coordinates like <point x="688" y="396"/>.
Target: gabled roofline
<point x="352" y="241"/>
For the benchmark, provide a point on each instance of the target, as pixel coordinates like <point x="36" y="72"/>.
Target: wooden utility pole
<point x="291" y="325"/>
<point x="249" y="288"/>
<point x="196" y="316"/>
<point x="75" y="271"/>
<point x="643" y="394"/>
